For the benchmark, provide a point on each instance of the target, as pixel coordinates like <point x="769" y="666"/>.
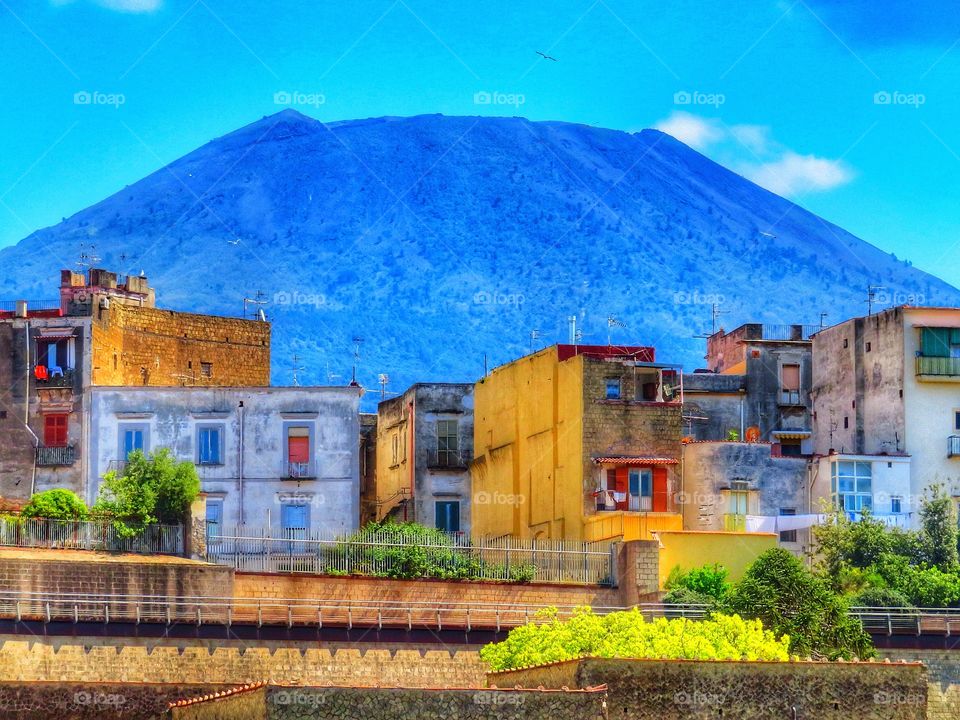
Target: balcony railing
<point x="57" y="381"/>
<point x="953" y="446"/>
<point x="733" y="522"/>
<point x="938" y="366"/>
<point x="300" y="470"/>
<point x="54" y="456"/>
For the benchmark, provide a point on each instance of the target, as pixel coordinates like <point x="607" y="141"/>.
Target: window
<point x="396" y="449"/>
<point x="956" y="419"/>
<point x="210" y="445"/>
<point x="788" y="536"/>
<point x="868" y="346"/>
<point x="851" y="483"/>
<point x="294" y="521"/>
<point x="940" y="342"/>
<point x="214" y="518"/>
<point x="448" y="443"/>
<point x="790" y="383"/>
<point x="791" y="447"/>
<point x="206" y="369"/>
<point x="641" y="490"/>
<point x="896" y="505"/>
<point x="56" y="353"/>
<point x="846" y="342"/>
<point x="298" y="452"/>
<point x="55" y="430"/>
<point x="448" y="515"/>
<point x="846" y="422"/>
<point x="133" y="437"/>
<point x="613" y="389"/>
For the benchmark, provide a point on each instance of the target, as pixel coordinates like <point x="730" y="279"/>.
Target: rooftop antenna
<point x="613" y="322"/>
<point x="357" y="342"/>
<point x="822" y="316"/>
<point x="296" y="370"/>
<point x="575" y="335"/>
<point x="872" y="297"/>
<point x="88" y="258"/>
<point x="715" y="313"/>
<point x="258" y="301"/>
<point x="383" y="379"/>
<point x="331" y="376"/>
<point x="534" y="336"/>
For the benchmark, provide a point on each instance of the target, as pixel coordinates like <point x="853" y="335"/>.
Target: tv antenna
<point x="257" y="301"/>
<point x="88" y="258"/>
<point x="534" y="336"/>
<point x="613" y="322"/>
<point x="297" y="368"/>
<point x="357" y="342"/>
<point x="872" y="297"/>
<point x="575" y="335"/>
<point x="822" y="316"/>
<point x="715" y="313"/>
<point x="383" y="379"/>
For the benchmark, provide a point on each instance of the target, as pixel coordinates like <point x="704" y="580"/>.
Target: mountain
<point x="442" y="241"/>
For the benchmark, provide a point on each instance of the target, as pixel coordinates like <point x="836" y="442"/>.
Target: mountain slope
<point x="441" y="239"/>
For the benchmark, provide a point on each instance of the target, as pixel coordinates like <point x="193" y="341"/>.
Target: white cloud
<point x="691" y="130"/>
<point x="794" y="173"/>
<point x="751" y="151"/>
<point x="126" y="6"/>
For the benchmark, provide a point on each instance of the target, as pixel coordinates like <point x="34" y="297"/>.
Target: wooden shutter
<point x="55" y="430"/>
<point x="623" y="480"/>
<point x="298" y="449"/>
<point x="660" y="493"/>
<point x="790" y="377"/>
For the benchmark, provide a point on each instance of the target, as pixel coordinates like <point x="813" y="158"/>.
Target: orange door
<point x="298" y="449"/>
<point x="660" y="494"/>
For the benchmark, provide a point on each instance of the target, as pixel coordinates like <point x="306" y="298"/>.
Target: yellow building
<point x="578" y="443"/>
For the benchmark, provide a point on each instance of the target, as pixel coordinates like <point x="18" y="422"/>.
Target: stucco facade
<point x="423" y="474"/>
<point x="578" y="443"/>
<point x="243" y="442"/>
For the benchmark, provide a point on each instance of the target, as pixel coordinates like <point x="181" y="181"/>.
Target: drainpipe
<point x="413" y="457"/>
<point x="742" y="429"/>
<point x="240" y="463"/>
<point x="26" y="406"/>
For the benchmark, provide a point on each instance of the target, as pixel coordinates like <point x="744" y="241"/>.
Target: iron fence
<point x="88" y="535"/>
<point x="384" y="554"/>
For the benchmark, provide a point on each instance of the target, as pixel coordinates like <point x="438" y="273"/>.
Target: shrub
<point x="938" y="533"/>
<point x="57" y="504"/>
<point x="923" y="586"/>
<point x="627" y="634"/>
<point x="792" y="601"/>
<point x="881" y="597"/>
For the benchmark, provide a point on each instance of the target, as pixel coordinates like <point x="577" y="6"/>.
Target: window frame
<point x="608" y="384"/>
<point x="125" y="427"/>
<point x="448" y="456"/>
<point x="64" y="430"/>
<point x="860" y="495"/>
<point x="449" y="505"/>
<point x="788" y="536"/>
<point x="220" y="429"/>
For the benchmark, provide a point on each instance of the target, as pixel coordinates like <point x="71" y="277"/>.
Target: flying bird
<point x="546" y="57"/>
<point x="234" y="242"/>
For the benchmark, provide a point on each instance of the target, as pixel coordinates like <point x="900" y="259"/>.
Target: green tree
<point x="150" y="489"/>
<point x="707" y="585"/>
<point x="938" y="522"/>
<point x="57" y="504"/>
<point x="626" y="634"/>
<point x="792" y="601"/>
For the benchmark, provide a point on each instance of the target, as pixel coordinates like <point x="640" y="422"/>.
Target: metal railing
<point x="9" y="306"/>
<point x="788" y="332"/>
<point x="88" y="535"/>
<point x="953" y="446"/>
<point x="54" y="456"/>
<point x="302" y="470"/>
<point x="58" y="381"/>
<point x="382" y="554"/>
<point x="939" y="366"/>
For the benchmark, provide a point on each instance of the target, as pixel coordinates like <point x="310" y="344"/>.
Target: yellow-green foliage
<point x="627" y="634"/>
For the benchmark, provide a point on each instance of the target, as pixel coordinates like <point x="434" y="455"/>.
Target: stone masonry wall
<point x="692" y="690"/>
<point x="943" y="679"/>
<point x="146" y="346"/>
<point x="396" y="704"/>
<point x="235" y="662"/>
<point x="92" y="701"/>
<point x="95" y="573"/>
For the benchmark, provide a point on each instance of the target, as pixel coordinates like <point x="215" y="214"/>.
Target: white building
<point x="279" y="457"/>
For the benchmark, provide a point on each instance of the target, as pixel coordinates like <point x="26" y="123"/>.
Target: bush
<point x="792" y="601"/>
<point x="923" y="586"/>
<point x="686" y="596"/>
<point x="939" y="529"/>
<point x="627" y="634"/>
<point x="58" y="504"/>
<point x="881" y="597"/>
<point x="154" y="489"/>
<point x="709" y="580"/>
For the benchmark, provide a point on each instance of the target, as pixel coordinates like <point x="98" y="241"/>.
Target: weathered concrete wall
<point x="171" y="418"/>
<point x="433" y="480"/>
<point x="234" y="662"/>
<point x="716" y="405"/>
<point x="92" y="700"/>
<point x="686" y="690"/>
<point x="775" y="483"/>
<point x="99" y="574"/>
<point x="147" y="346"/>
<point x="277" y="703"/>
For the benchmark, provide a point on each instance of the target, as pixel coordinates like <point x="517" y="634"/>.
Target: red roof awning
<point x="635" y="460"/>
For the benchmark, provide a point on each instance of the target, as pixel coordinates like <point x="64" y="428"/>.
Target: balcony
<point x="300" y="471"/>
<point x="59" y="381"/>
<point x="733" y="522"/>
<point x="56" y="456"/>
<point x="791" y="398"/>
<point x="629" y="525"/>
<point x="938" y="368"/>
<point x="953" y="446"/>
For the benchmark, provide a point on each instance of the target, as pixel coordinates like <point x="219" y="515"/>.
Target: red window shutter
<point x="55" y="430"/>
<point x="660" y="494"/>
<point x="298" y="449"/>
<point x="623" y="475"/>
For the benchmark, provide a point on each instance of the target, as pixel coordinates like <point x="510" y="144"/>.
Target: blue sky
<point x="849" y="108"/>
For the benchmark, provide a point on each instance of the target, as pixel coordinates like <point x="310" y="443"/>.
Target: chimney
<point x="21" y="311"/>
